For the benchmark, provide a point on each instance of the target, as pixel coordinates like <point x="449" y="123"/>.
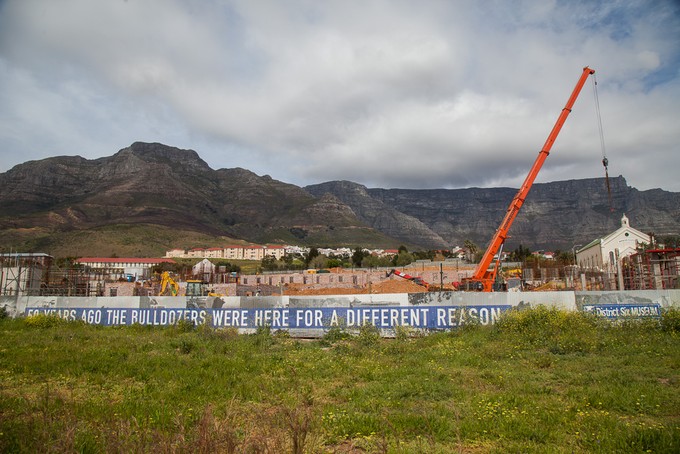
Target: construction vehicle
<point x="199" y="296"/>
<point x="416" y="279"/>
<point x="485" y="275"/>
<point x="168" y="284"/>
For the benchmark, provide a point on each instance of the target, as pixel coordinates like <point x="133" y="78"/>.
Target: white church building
<point x="605" y="253"/>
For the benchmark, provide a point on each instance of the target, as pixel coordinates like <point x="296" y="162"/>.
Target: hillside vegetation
<point x="539" y="381"/>
<point x="125" y="240"/>
<point x="71" y="203"/>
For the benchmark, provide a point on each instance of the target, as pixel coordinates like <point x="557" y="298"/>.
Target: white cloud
<point x="385" y="93"/>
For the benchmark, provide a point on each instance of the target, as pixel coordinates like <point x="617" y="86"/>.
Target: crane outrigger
<point x="485" y="275"/>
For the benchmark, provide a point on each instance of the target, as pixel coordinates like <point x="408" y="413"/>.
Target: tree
<point x="403" y="259"/>
<point x="313" y="253"/>
<point x="358" y="256"/>
<point x="334" y="262"/>
<point x="671" y="241"/>
<point x="318" y="262"/>
<point x="520" y="254"/>
<point x="269" y="263"/>
<point x="472" y="249"/>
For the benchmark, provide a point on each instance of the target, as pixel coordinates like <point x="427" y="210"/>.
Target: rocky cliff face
<point x="554" y="216"/>
<point x="381" y="216"/>
<point x="160" y="185"/>
<point x="153" y="184"/>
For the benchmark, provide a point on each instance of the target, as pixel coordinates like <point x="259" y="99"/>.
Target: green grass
<point x="129" y="240"/>
<point x="540" y="381"/>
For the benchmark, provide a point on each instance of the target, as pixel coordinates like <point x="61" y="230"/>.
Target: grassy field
<point x="540" y="381"/>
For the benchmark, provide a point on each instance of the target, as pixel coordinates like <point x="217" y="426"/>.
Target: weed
<point x="670" y="320"/>
<point x="538" y="382"/>
<point x="184" y="326"/>
<point x="558" y="330"/>
<point x="44" y="321"/>
<point x="369" y="335"/>
<point x="404" y="332"/>
<point x="335" y="334"/>
<point x="263" y="336"/>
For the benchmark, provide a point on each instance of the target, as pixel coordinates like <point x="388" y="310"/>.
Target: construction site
<point x="37" y="275"/>
<point x="634" y="268"/>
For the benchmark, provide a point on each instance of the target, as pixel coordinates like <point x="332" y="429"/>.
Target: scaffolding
<point x="653" y="269"/>
<point x="36" y="274"/>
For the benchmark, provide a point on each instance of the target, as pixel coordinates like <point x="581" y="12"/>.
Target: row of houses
<point x="254" y="252"/>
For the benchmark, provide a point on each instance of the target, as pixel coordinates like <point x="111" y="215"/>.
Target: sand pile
<point x="386" y="286"/>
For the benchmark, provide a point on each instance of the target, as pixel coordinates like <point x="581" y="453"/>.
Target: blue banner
<point x="616" y="311"/>
<point x="425" y="317"/>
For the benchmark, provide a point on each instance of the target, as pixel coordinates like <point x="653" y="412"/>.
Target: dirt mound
<point x="387" y="286"/>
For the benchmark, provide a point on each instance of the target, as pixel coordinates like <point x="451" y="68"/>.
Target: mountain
<point x="150" y="197"/>
<point x="162" y="189"/>
<point x="554" y="216"/>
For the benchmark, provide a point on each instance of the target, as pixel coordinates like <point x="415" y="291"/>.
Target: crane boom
<point x="483" y="275"/>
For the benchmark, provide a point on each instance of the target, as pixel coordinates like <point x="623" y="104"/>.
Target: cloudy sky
<point x="386" y="93"/>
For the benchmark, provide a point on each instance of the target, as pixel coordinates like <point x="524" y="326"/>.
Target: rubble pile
<point x="386" y="286"/>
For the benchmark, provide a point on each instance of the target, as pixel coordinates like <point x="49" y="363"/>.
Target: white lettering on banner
<point x="388" y="317"/>
<point x="70" y="315"/>
<point x="116" y="317"/>
<point x="458" y="316"/>
<point x="274" y="318"/>
<point x="425" y="317"/>
<point x="92" y="316"/>
<point x="614" y="311"/>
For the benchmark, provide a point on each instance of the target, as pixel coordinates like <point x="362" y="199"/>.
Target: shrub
<point x="44" y="321"/>
<point x="670" y="320"/>
<point x="183" y="325"/>
<point x="559" y="330"/>
<point x="263" y="336"/>
<point x="335" y="334"/>
<point x="369" y="335"/>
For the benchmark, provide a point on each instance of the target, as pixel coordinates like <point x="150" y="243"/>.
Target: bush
<point x="559" y="330"/>
<point x="335" y="334"/>
<point x="369" y="335"/>
<point x="184" y="326"/>
<point x="670" y="320"/>
<point x="44" y="321"/>
<point x="263" y="336"/>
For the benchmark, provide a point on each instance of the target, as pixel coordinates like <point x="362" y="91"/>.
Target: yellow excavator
<point x="168" y="284"/>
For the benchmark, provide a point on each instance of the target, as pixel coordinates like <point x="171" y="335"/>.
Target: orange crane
<point x="484" y="277"/>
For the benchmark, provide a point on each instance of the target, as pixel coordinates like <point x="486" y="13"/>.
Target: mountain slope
<point x="555" y="215"/>
<point x="153" y="184"/>
<point x="150" y="197"/>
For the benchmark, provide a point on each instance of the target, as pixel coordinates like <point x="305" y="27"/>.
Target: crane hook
<point x="605" y="161"/>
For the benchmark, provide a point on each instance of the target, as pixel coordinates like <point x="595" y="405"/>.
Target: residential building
<point x="214" y="253"/>
<point x="275" y="251"/>
<point x="197" y="252"/>
<point x="175" y="253"/>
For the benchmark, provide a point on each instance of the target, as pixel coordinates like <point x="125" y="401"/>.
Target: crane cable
<point x="605" y="161"/>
